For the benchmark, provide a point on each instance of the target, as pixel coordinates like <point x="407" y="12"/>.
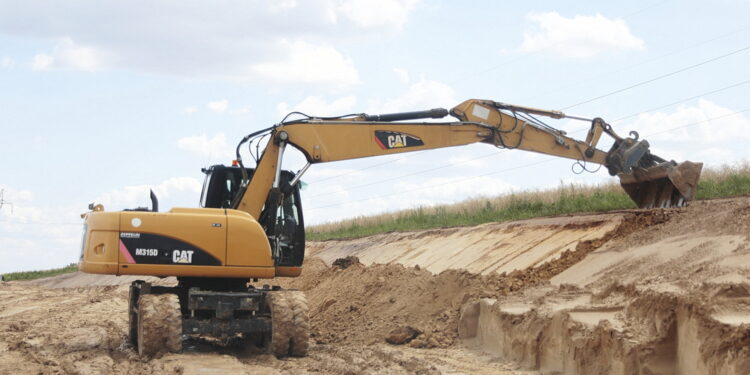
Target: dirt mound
<point x="345" y="262"/>
<point x="363" y="304"/>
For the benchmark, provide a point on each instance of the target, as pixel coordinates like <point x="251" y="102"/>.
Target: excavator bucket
<point x="664" y="185"/>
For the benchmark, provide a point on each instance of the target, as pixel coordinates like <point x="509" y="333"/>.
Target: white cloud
<point x="69" y="55"/>
<point x="704" y="132"/>
<point x="402" y="74"/>
<point x="218" y="106"/>
<point x="317" y="106"/>
<point x="42" y="237"/>
<point x="42" y="62"/>
<point x="425" y="94"/>
<point x="216" y="148"/>
<point x="467" y="162"/>
<point x="242" y="111"/>
<point x="579" y="37"/>
<point x="12" y="195"/>
<point x="303" y="62"/>
<point x="138" y="195"/>
<point x="17" y="206"/>
<point x="339" y="202"/>
<point x="7" y="62"/>
<point x="35" y="237"/>
<point x="240" y="40"/>
<point x="453" y="189"/>
<point x="190" y="110"/>
<point x="282" y="5"/>
<point x="671" y="126"/>
<point x="377" y="13"/>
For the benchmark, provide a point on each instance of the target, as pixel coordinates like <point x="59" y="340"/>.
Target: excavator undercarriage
<point x="268" y="318"/>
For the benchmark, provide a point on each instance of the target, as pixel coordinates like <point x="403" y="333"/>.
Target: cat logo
<point x="396" y="141"/>
<point x="388" y="140"/>
<point x="182" y="256"/>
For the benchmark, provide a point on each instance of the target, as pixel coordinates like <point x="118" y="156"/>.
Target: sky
<point x="101" y="101"/>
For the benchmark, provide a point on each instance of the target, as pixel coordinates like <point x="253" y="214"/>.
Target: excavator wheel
<point x="300" y="332"/>
<point x="282" y="317"/>
<point x="159" y="324"/>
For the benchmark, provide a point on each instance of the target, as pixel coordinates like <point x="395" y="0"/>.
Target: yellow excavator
<point x="251" y="226"/>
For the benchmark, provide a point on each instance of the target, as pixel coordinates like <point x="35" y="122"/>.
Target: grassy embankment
<point x="723" y="182"/>
<point x="31" y="275"/>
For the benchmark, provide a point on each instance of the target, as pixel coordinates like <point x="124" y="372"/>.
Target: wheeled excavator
<point x="251" y="226"/>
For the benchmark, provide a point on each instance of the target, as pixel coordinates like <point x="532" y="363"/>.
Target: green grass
<point x="730" y="186"/>
<point x="724" y="182"/>
<point x="517" y="209"/>
<point x="31" y="275"/>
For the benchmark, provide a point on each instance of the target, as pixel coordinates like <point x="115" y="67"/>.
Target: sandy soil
<point x="672" y="298"/>
<point x="485" y="249"/>
<point x="633" y="292"/>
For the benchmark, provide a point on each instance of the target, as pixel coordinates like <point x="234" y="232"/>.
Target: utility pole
<point x="4" y="202"/>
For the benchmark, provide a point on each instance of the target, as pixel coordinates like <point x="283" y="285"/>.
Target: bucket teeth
<point x="662" y="186"/>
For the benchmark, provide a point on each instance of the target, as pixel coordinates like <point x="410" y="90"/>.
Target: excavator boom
<point x="648" y="179"/>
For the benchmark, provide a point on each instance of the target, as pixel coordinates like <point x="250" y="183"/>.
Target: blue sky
<point x="101" y="100"/>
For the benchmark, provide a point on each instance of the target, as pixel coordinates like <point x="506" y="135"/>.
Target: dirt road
<point x="660" y="292"/>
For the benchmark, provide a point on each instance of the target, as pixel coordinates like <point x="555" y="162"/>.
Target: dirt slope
<point x="484" y="249"/>
<point x="672" y="298"/>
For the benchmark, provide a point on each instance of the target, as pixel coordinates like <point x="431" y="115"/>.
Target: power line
<point x="38" y="223"/>
<point x="522" y="166"/>
<point x="488" y="155"/>
<point x="573" y="84"/>
<point x="683" y="100"/>
<point x="616" y="91"/>
<point x="654" y="5"/>
<point x="366" y="168"/>
<point x="699" y="122"/>
<point x="484" y="156"/>
<point x="410" y="174"/>
<point x="4" y="202"/>
<point x="657" y="78"/>
<point x="521" y="57"/>
<point x="442" y="184"/>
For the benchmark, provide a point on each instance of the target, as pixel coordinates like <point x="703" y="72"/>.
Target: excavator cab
<point x="283" y="224"/>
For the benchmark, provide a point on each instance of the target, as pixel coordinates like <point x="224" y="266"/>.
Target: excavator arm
<point x="648" y="179"/>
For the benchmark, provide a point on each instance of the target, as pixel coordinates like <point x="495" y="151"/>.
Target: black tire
<point x="300" y="329"/>
<point x="281" y="322"/>
<point x="159" y="324"/>
<point x="133" y="317"/>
